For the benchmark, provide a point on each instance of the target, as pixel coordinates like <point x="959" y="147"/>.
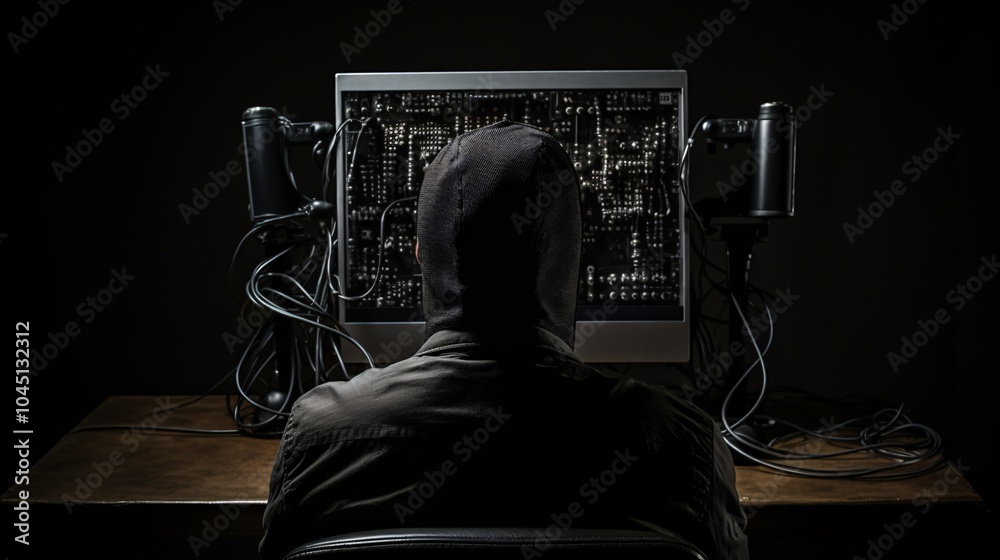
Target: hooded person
<point x="494" y="421"/>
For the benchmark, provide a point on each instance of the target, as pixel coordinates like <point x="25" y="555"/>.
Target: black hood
<point x="498" y="222"/>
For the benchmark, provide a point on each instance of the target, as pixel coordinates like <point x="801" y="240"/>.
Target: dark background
<point x="163" y="333"/>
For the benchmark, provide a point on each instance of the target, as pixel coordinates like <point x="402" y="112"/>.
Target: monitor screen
<point x="624" y="131"/>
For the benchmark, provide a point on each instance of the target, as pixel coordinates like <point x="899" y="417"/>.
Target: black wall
<point x="888" y="92"/>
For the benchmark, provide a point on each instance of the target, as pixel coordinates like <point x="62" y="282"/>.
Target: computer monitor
<point x="624" y="130"/>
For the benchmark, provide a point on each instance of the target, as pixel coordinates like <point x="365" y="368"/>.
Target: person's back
<point x="494" y="422"/>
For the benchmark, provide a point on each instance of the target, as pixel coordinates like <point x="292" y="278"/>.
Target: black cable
<point x="327" y="176"/>
<point x="257" y="228"/>
<point x="381" y="252"/>
<point x="913" y="448"/>
<point x="873" y="438"/>
<point x="170" y="409"/>
<point x="305" y="297"/>
<point x="704" y="340"/>
<point x="684" y="165"/>
<point x="154" y="428"/>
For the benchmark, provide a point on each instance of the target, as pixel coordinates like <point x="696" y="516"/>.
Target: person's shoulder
<point x="374" y="397"/>
<point x="343" y="396"/>
<point x="658" y="406"/>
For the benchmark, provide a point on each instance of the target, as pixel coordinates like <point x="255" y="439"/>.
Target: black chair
<point x="499" y="543"/>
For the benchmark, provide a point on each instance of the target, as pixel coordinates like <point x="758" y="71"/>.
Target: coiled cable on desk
<point x="911" y="448"/>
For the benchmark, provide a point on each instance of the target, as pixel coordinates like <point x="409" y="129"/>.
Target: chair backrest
<point x="499" y="543"/>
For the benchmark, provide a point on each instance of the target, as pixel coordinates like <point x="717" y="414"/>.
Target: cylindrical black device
<point x="773" y="149"/>
<point x="272" y="193"/>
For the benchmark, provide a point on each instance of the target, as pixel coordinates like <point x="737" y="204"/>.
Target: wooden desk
<point x="168" y="495"/>
<point x="193" y="496"/>
<point x="931" y="515"/>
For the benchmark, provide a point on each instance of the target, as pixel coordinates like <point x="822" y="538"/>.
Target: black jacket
<point x="494" y="421"/>
<point x="517" y="433"/>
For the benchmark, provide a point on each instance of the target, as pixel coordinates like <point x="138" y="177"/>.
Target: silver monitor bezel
<point x="612" y="341"/>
